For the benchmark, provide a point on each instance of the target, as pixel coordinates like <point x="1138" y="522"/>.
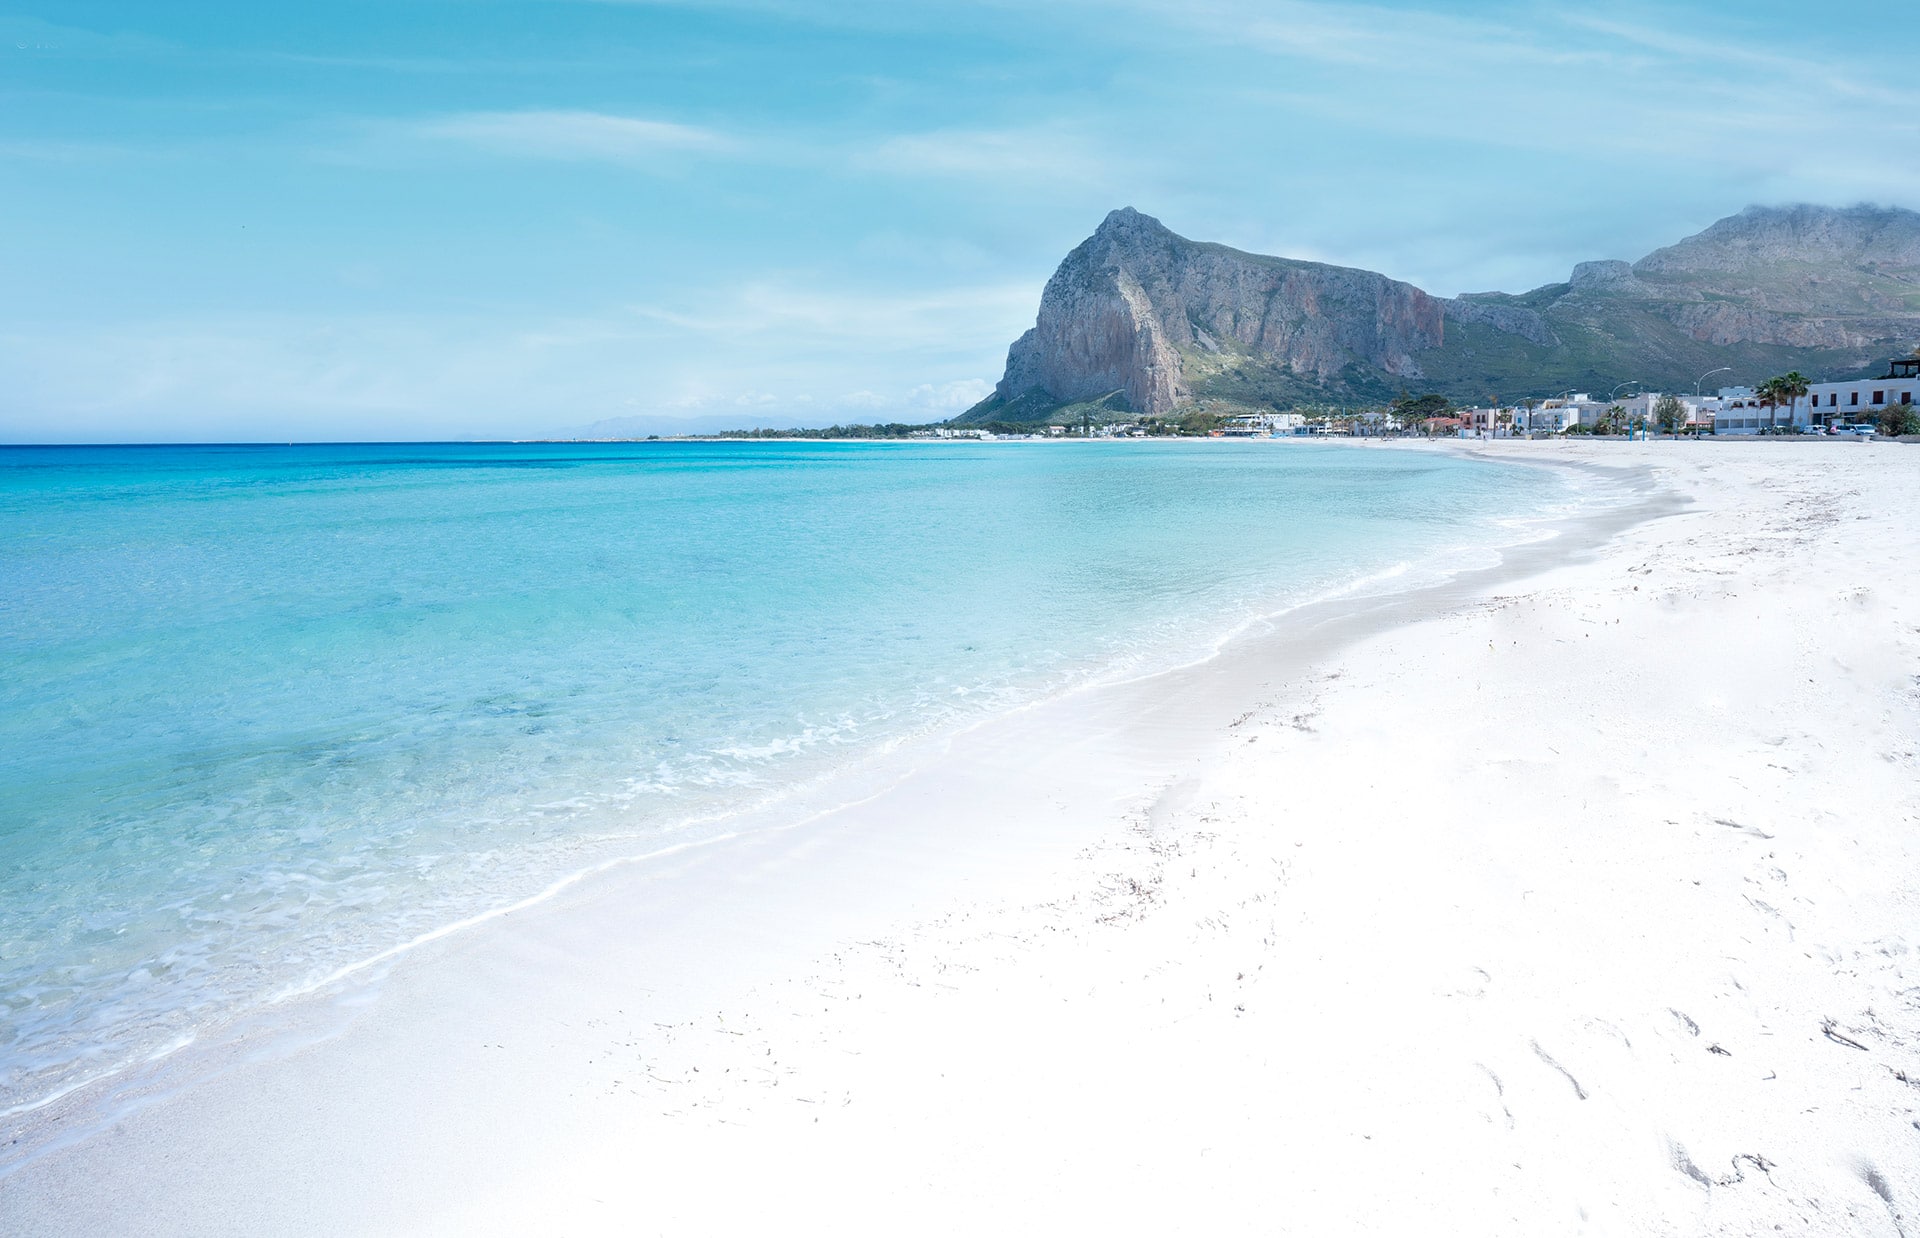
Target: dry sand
<point x="1579" y="902"/>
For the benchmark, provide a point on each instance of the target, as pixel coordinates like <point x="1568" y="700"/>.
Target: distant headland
<point x="1139" y="322"/>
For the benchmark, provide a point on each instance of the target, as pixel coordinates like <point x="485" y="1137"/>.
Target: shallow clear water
<point x="266" y="710"/>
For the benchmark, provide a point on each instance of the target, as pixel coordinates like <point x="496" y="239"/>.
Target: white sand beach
<point x="1579" y="897"/>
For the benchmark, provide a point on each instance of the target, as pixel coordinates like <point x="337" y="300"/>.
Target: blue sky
<point x="496" y="218"/>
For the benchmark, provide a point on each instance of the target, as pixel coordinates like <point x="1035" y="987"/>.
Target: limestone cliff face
<point x="1126" y="304"/>
<point x="1717" y="322"/>
<point x="1161" y="320"/>
<point x="1512" y="319"/>
<point x="1771" y="242"/>
<point x="1795" y="276"/>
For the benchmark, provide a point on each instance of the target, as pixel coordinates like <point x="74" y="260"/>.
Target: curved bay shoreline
<point x="1403" y="907"/>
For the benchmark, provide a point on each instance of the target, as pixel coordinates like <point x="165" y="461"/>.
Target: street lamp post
<point x="1631" y="382"/>
<point x="1703" y="378"/>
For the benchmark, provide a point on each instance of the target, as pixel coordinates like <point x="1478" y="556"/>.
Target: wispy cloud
<point x="1036" y="155"/>
<point x="572" y="135"/>
<point x="33" y="36"/>
<point x="917" y="170"/>
<point x="1017" y="153"/>
<point x="1694" y="104"/>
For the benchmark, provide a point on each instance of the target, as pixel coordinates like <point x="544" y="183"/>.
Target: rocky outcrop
<point x="1762" y="239"/>
<point x="1797" y="276"/>
<point x="1139" y="316"/>
<point x="1718" y="322"/>
<point x="1512" y="319"/>
<point x="1608" y="277"/>
<point x="1124" y="305"/>
<point x="1098" y="330"/>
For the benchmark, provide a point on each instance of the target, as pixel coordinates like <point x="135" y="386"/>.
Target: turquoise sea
<point x="265" y="711"/>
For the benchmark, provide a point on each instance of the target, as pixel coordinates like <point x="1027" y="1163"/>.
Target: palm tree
<point x="1794" y="386"/>
<point x="1769" y="396"/>
<point x="1785" y="391"/>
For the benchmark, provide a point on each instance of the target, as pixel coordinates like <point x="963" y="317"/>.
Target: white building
<point x="1259" y="425"/>
<point x="1737" y="410"/>
<point x="1857" y="401"/>
<point x="1639" y="406"/>
<point x="1748" y="417"/>
<point x="1590" y="412"/>
<point x="1551" y="416"/>
<point x="1516" y="420"/>
<point x="1865" y="399"/>
<point x="1485" y="422"/>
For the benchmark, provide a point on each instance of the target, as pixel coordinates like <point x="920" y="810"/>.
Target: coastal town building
<point x="1858" y="401"/>
<point x="1865" y="399"/>
<point x="1746" y="414"/>
<point x="1715" y="413"/>
<point x="1513" y="421"/>
<point x="1492" y="422"/>
<point x="1556" y="416"/>
<point x="1637" y="407"/>
<point x="1260" y="425"/>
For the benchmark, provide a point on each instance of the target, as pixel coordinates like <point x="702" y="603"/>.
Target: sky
<point x="431" y="219"/>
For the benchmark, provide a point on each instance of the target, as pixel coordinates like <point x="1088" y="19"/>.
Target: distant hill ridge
<point x="1139" y="319"/>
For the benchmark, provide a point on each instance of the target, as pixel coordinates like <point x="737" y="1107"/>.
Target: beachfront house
<point x="1555" y="416"/>
<point x="1260" y="425"/>
<point x="1703" y="415"/>
<point x="1486" y="422"/>
<point x="1853" y="402"/>
<point x="1592" y="412"/>
<point x="1738" y="410"/>
<point x="1638" y="407"/>
<point x="1864" y="399"/>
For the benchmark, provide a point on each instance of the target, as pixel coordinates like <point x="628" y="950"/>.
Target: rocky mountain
<point x="1138" y="319"/>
